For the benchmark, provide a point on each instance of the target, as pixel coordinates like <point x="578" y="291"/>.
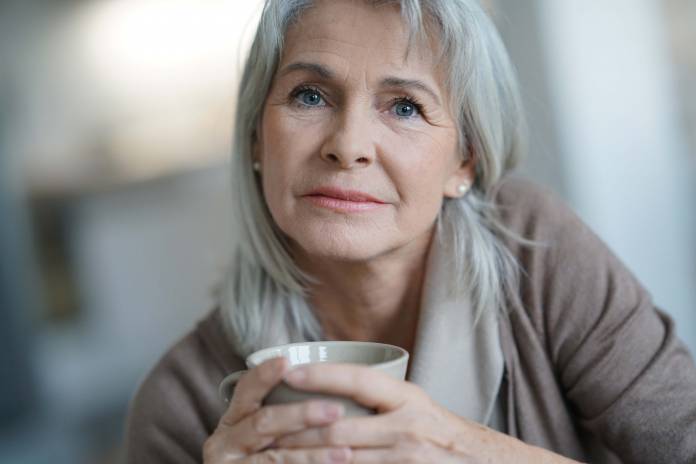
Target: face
<point x="357" y="145"/>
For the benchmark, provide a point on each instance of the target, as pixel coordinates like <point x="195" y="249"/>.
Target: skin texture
<point x="369" y="263"/>
<point x="355" y="130"/>
<point x="409" y="426"/>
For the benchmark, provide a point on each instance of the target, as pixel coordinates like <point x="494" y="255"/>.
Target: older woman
<point x="372" y="140"/>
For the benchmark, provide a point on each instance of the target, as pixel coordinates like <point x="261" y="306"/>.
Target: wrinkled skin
<point x="339" y="113"/>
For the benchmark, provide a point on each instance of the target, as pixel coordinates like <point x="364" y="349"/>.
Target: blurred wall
<point x="16" y="301"/>
<point x="599" y="82"/>
<point x="115" y="122"/>
<point x="519" y="23"/>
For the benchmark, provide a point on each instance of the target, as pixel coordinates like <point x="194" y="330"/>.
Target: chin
<point x="339" y="243"/>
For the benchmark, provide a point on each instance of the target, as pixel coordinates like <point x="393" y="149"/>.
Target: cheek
<point x="286" y="148"/>
<point x="287" y="137"/>
<point x="419" y="173"/>
<point x="422" y="167"/>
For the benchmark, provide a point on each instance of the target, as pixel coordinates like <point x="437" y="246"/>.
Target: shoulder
<point x="588" y="325"/>
<point x="570" y="278"/>
<point x="176" y="406"/>
<point x="531" y="210"/>
<point x="562" y="242"/>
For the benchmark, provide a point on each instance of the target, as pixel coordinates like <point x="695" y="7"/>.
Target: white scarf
<point x="460" y="366"/>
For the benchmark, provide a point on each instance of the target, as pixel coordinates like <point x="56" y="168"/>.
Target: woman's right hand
<point x="247" y="430"/>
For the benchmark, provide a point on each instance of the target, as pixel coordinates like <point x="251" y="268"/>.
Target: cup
<point x="389" y="359"/>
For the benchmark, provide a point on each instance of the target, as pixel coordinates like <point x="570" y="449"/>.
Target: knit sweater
<point x="592" y="370"/>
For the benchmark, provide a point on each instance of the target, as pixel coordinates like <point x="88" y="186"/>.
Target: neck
<point x="377" y="300"/>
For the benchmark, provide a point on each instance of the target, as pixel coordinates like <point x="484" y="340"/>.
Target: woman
<point x="372" y="143"/>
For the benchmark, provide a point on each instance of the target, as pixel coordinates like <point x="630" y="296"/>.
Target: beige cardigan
<point x="589" y="364"/>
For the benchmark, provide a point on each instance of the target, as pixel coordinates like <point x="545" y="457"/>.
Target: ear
<point x="461" y="179"/>
<point x="255" y="148"/>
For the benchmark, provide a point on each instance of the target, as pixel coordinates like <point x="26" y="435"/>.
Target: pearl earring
<point x="462" y="189"/>
<point x="256" y="166"/>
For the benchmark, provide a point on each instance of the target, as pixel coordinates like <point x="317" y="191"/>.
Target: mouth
<point x="343" y="200"/>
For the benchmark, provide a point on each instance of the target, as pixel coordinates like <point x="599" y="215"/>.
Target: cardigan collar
<point x="457" y="360"/>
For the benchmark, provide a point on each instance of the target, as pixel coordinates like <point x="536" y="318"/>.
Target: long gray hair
<point x="263" y="295"/>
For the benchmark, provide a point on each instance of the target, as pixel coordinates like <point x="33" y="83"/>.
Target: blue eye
<point x="405" y="109"/>
<point x="309" y="97"/>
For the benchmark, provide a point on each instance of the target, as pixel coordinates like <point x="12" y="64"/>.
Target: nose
<point x="351" y="143"/>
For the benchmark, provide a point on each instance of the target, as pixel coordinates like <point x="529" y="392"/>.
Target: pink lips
<point x="343" y="200"/>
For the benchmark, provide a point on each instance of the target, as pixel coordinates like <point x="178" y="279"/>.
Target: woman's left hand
<point x="409" y="427"/>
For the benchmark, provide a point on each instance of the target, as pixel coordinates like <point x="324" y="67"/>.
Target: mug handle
<point x="227" y="385"/>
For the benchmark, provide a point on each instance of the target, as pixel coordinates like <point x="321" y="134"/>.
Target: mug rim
<point x="403" y="353"/>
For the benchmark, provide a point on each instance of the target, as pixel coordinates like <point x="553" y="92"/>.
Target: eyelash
<point x="404" y="99"/>
<point x="299" y="91"/>
<point x="408" y="100"/>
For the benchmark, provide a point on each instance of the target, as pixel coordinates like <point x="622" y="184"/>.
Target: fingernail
<point x="332" y="411"/>
<point x="339" y="455"/>
<point x="296" y="375"/>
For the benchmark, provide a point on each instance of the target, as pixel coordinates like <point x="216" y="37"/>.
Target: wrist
<point x="522" y="452"/>
<point x="499" y="447"/>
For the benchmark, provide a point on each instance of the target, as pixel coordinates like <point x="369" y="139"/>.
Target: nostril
<point x="362" y="160"/>
<point x="332" y="157"/>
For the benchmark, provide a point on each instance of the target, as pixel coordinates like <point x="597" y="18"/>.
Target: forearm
<point x="494" y="446"/>
<point x="525" y="453"/>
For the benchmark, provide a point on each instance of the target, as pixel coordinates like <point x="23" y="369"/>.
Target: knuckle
<point x="310" y="410"/>
<point x="410" y="437"/>
<point x="273" y="457"/>
<point x="210" y="449"/>
<point x="262" y="421"/>
<point x="217" y="450"/>
<point x="332" y="434"/>
<point x="415" y="418"/>
<point x="242" y="384"/>
<point x="416" y="395"/>
<point x="238" y="409"/>
<point x="416" y="448"/>
<point x="428" y="452"/>
<point x="313" y="412"/>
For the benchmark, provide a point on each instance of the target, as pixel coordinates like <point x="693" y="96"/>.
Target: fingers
<point x="423" y="453"/>
<point x="367" y="386"/>
<point x="288" y="418"/>
<point x="314" y="456"/>
<point x="375" y="431"/>
<point x="261" y="429"/>
<point x="252" y="388"/>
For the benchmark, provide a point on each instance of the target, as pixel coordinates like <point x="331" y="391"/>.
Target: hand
<point x="246" y="430"/>
<point x="409" y="427"/>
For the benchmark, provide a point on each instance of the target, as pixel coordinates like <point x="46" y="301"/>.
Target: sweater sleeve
<point x="176" y="407"/>
<point x="626" y="375"/>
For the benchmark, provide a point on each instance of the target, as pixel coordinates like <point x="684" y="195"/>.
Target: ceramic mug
<point x="389" y="359"/>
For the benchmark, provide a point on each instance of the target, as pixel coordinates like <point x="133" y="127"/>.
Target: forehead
<point x="360" y="32"/>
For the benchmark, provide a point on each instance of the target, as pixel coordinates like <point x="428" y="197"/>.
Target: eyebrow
<point x="409" y="83"/>
<point x="389" y="81"/>
<point x="314" y="68"/>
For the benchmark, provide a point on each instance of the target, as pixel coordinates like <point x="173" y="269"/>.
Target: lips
<point x="344" y="201"/>
<point x="355" y="196"/>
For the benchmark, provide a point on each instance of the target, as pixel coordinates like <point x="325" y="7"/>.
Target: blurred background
<point x="115" y="130"/>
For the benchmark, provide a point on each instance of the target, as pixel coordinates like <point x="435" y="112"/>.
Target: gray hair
<point x="263" y="295"/>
